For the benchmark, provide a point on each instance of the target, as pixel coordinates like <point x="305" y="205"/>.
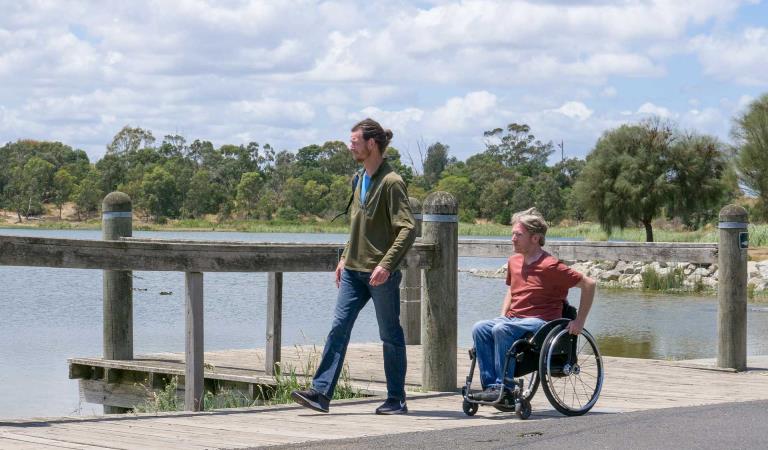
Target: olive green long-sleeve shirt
<point x="383" y="228"/>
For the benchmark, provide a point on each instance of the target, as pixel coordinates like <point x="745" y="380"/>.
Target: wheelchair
<point x="569" y="369"/>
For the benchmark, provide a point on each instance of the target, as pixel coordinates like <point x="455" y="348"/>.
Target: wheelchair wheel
<point x="469" y="408"/>
<point x="571" y="371"/>
<point x="524" y="409"/>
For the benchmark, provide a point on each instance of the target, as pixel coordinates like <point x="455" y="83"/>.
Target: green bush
<point x="655" y="281"/>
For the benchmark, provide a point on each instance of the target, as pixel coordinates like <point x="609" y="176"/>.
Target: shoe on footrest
<point x="490" y="394"/>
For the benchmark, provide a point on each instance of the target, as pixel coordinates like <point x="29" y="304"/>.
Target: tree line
<point x="635" y="173"/>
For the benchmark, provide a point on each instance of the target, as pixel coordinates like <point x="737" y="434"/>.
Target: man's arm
<point x="404" y="226"/>
<point x="587" y="286"/>
<point x="507" y="302"/>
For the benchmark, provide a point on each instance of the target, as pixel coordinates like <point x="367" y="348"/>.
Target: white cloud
<point x="293" y="71"/>
<point x="651" y="109"/>
<point x="575" y="110"/>
<point x="397" y="121"/>
<point x="707" y="121"/>
<point x="271" y="111"/>
<point x="739" y="58"/>
<point x="460" y="112"/>
<point x="609" y="92"/>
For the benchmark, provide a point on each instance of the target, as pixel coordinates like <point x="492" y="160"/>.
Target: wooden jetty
<point x="429" y="296"/>
<point x="630" y="385"/>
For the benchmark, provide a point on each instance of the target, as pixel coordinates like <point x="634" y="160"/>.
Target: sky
<point x="296" y="73"/>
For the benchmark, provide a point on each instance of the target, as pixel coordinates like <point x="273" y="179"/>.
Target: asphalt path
<point x="724" y="426"/>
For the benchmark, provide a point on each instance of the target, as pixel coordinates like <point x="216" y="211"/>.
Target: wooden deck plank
<point x="630" y="385"/>
<point x="15" y="441"/>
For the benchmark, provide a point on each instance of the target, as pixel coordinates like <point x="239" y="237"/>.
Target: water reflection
<point x="638" y="346"/>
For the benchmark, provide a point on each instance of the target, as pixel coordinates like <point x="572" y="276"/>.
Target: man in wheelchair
<point x="538" y="287"/>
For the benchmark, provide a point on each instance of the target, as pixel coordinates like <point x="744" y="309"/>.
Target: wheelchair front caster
<point x="469" y="408"/>
<point x="523" y="409"/>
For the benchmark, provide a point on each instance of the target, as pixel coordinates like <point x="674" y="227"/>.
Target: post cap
<point x="116" y="202"/>
<point x="733" y="213"/>
<point x="415" y="205"/>
<point x="440" y="203"/>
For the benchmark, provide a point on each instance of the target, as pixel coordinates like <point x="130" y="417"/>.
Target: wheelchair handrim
<point x="598" y="359"/>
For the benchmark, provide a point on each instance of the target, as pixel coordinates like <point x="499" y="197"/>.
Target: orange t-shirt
<point x="540" y="288"/>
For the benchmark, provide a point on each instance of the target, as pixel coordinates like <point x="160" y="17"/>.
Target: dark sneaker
<point x="392" y="406"/>
<point x="311" y="399"/>
<point x="490" y="394"/>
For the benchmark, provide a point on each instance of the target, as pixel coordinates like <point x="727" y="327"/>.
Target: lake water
<point x="49" y="315"/>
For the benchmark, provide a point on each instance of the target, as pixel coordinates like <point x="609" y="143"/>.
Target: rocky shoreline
<point x="629" y="274"/>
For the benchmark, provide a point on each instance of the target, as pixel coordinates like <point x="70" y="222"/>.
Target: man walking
<point x="382" y="230"/>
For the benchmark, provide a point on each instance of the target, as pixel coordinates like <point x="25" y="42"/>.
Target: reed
<point x="287" y="378"/>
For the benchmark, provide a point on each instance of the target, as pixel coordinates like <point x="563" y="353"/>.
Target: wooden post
<point x="193" y="374"/>
<point x="117" y="286"/>
<point x="732" y="289"/>
<point x="439" y="314"/>
<point x="410" y="290"/>
<point x="274" y="320"/>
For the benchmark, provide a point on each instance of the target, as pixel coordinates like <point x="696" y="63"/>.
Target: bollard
<point x="194" y="377"/>
<point x="117" y="222"/>
<point x="410" y="290"/>
<point x="439" y="313"/>
<point x="732" y="289"/>
<point x="274" y="321"/>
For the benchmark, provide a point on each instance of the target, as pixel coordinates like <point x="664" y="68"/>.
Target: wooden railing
<point x="430" y="290"/>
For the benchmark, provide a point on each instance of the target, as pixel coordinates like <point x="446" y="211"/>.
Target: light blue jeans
<point x="354" y="293"/>
<point x="492" y="340"/>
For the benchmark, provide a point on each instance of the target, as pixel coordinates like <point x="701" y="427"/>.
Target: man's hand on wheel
<point x="575" y="326"/>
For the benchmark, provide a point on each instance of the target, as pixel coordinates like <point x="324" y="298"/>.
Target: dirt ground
<point x="51" y="215"/>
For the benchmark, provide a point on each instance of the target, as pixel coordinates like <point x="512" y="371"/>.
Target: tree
<point x="202" y="196"/>
<point x="393" y="158"/>
<point x="30" y="186"/>
<point x="751" y="135"/>
<point x="87" y="195"/>
<point x="702" y="180"/>
<point x="130" y="139"/>
<point x="159" y="193"/>
<point x="518" y="148"/>
<point x="464" y="191"/>
<point x="435" y="162"/>
<point x="173" y="146"/>
<point x="625" y="178"/>
<point x="494" y="203"/>
<point x="63" y="184"/>
<point x="248" y="191"/>
<point x="547" y="197"/>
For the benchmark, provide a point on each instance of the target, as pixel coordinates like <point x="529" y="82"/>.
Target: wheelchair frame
<point x="553" y="352"/>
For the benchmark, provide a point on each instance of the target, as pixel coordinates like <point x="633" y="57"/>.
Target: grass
<point x="671" y="281"/>
<point x="286" y="380"/>
<point x="656" y="281"/>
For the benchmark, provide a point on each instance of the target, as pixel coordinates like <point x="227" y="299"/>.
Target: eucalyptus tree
<point x="701" y="179"/>
<point x="63" y="184"/>
<point x="625" y="178"/>
<point x="636" y="173"/>
<point x="750" y="132"/>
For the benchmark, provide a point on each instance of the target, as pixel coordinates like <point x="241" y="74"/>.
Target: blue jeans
<point x="354" y="292"/>
<point x="492" y="340"/>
